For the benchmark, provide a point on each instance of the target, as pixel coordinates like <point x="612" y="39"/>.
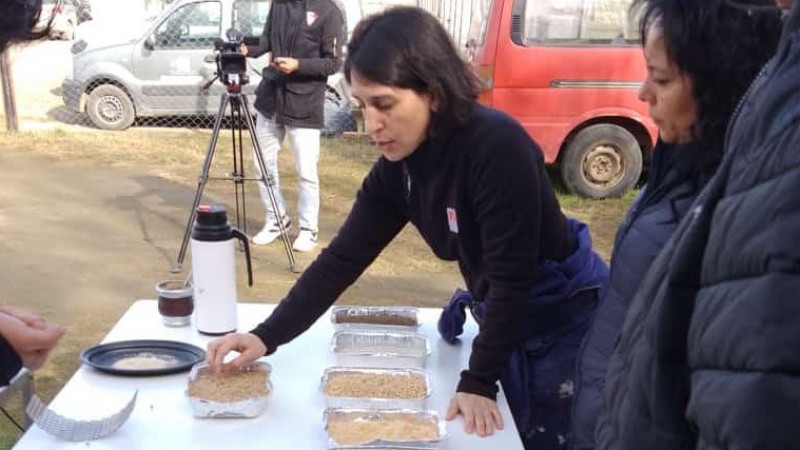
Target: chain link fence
<point x="111" y="75"/>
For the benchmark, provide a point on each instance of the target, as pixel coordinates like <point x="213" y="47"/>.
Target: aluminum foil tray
<point x="360" y="428"/>
<point x="73" y="429"/>
<point x="380" y="349"/>
<point x="371" y="388"/>
<point x="251" y="406"/>
<point x="375" y="318"/>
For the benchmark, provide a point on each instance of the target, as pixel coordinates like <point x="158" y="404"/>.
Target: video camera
<point x="231" y="62"/>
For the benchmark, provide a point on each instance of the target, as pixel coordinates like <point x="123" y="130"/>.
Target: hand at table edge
<point x="248" y="345"/>
<point x="481" y="415"/>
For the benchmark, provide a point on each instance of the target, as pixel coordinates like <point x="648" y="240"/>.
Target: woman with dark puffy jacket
<point x="701" y="56"/>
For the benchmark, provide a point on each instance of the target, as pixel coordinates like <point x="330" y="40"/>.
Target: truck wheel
<point x="110" y="108"/>
<point x="601" y="161"/>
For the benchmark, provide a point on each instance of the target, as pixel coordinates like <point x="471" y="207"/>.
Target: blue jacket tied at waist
<point x="555" y="281"/>
<point x="539" y="376"/>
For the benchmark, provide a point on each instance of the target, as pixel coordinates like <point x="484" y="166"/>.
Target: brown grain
<point x="229" y="387"/>
<point x="376" y="385"/>
<point x="382" y="318"/>
<point x="357" y="429"/>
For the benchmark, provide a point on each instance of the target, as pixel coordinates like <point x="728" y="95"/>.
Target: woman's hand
<point x="30" y="319"/>
<point x="248" y="345"/>
<point x="481" y="414"/>
<point x="31" y="337"/>
<point x="286" y="65"/>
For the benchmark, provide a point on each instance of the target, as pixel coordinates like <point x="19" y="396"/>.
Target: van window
<point x="249" y="16"/>
<point x="194" y="25"/>
<point x="479" y="22"/>
<point x="579" y="22"/>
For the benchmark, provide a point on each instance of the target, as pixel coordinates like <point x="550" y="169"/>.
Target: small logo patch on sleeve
<point x="452" y="220"/>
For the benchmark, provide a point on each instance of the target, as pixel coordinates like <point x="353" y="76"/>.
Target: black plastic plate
<point x="143" y="357"/>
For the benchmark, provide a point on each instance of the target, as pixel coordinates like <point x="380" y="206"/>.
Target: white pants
<point x="305" y="150"/>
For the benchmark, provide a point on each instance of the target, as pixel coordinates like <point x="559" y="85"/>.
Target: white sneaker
<point x="306" y="241"/>
<point x="271" y="231"/>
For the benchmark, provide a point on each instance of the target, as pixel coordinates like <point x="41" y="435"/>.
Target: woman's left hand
<point x="481" y="414"/>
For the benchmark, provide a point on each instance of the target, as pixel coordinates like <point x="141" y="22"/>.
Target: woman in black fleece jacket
<point x="473" y="183"/>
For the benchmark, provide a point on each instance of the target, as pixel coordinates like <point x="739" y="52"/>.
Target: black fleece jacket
<point x="478" y="194"/>
<point x="312" y="32"/>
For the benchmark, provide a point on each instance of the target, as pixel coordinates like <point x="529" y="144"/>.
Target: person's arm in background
<point x="25" y="340"/>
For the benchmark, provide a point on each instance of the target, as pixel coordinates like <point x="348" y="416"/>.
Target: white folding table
<point x="162" y="418"/>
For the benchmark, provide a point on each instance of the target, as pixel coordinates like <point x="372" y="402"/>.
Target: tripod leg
<point x="239" y="151"/>
<point x="267" y="180"/>
<point x="201" y="182"/>
<point x="238" y="165"/>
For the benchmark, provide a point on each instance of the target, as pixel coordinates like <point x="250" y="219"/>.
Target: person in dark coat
<point x="701" y="58"/>
<point x="708" y="355"/>
<point x="305" y="39"/>
<point x="26" y="339"/>
<point x="473" y="183"/>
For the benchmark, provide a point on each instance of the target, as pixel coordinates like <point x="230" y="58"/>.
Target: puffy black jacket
<point x="313" y="32"/>
<point x="677" y="174"/>
<point x="709" y="355"/>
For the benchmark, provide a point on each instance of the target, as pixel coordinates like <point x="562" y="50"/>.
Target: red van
<point x="569" y="71"/>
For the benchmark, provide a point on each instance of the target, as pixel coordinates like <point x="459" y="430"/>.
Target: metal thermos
<point x="214" y="270"/>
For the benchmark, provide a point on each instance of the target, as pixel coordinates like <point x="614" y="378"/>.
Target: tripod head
<point x="231" y="62"/>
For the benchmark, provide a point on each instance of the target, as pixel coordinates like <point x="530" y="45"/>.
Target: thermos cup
<point x="214" y="270"/>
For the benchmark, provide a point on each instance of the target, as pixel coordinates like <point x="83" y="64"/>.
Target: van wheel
<point x="601" y="161"/>
<point x="110" y="108"/>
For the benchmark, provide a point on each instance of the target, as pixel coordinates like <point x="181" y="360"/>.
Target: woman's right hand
<point x="481" y="415"/>
<point x="248" y="345"/>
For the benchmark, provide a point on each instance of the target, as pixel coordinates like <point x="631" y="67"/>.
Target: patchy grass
<point x="177" y="155"/>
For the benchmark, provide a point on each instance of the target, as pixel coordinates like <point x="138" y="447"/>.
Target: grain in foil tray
<point x="390" y="428"/>
<point x="375" y="318"/>
<point x="350" y="387"/>
<point x="380" y="349"/>
<point x="242" y="393"/>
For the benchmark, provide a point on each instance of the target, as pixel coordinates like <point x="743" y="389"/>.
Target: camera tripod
<point x="234" y="98"/>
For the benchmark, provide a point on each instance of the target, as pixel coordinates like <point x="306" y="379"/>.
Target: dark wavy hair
<point x="721" y="47"/>
<point x="18" y="20"/>
<point x="406" y="47"/>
